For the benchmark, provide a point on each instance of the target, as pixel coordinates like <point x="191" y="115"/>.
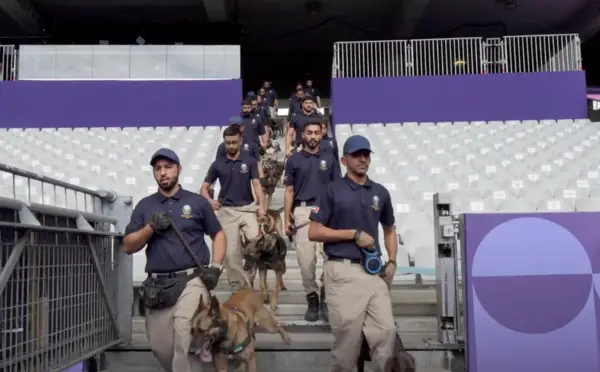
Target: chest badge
<point x="186" y="212"/>
<point x="375" y="204"/>
<point x="323" y="165"/>
<point x="244" y="168"/>
<point x="253" y="121"/>
<point x="246" y="147"/>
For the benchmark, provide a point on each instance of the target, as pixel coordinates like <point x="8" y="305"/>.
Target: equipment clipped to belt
<point x="372" y="262"/>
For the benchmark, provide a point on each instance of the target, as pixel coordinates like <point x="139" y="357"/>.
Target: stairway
<point x="414" y="307"/>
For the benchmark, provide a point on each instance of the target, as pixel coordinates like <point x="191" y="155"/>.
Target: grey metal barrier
<point x="457" y="56"/>
<point x="449" y="268"/>
<point x="543" y="53"/>
<point x="8" y="62"/>
<point x="65" y="285"/>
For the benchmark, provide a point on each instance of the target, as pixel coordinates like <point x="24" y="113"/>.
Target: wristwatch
<point x="357" y="235"/>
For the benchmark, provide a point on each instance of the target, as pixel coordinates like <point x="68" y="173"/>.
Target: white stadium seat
<point x="506" y="167"/>
<point x="487" y="167"/>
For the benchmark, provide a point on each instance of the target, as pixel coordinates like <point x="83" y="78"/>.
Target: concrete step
<point x="293" y="281"/>
<point x="425" y="326"/>
<point x="282" y="361"/>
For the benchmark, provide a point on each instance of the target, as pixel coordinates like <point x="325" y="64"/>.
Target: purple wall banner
<point x="56" y="104"/>
<point x="543" y="95"/>
<point x="532" y="285"/>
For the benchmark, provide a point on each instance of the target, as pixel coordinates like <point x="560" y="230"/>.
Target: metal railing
<point x="543" y="53"/>
<point x="457" y="56"/>
<point x="65" y="286"/>
<point x="8" y="62"/>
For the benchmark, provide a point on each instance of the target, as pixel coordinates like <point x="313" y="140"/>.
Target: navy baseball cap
<point x="356" y="143"/>
<point x="236" y="120"/>
<point x="251" y="95"/>
<point x="164" y="154"/>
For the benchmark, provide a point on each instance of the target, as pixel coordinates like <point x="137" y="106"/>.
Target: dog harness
<point x="233" y="349"/>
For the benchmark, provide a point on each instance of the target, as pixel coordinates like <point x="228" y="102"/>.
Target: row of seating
<point x="513" y="167"/>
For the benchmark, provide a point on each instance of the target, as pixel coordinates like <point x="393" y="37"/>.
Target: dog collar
<point x="236" y="349"/>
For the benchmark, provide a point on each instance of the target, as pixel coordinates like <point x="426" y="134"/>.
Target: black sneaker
<point x="312" y="313"/>
<point x="323" y="305"/>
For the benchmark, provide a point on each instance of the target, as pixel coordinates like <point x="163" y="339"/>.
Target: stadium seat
<point x="507" y="167"/>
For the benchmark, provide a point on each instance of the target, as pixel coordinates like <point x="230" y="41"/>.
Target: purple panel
<point x="532" y="292"/>
<point x="52" y="104"/>
<point x="544" y="95"/>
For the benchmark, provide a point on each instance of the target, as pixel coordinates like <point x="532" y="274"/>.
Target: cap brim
<point x="158" y="157"/>
<point x="352" y="151"/>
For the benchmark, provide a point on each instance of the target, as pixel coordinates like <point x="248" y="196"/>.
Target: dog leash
<point x="187" y="247"/>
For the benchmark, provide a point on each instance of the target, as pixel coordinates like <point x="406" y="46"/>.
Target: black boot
<point x="312" y="313"/>
<point x="323" y="305"/>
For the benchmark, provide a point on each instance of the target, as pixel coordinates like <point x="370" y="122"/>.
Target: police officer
<point x="312" y="91"/>
<point x="306" y="173"/>
<point x="296" y="102"/>
<point x="244" y="147"/>
<point x="328" y="143"/>
<point x="235" y="207"/>
<point x="271" y="96"/>
<point x="294" y="132"/>
<point x="255" y="133"/>
<point x="346" y="220"/>
<point x="168" y="328"/>
<point x="263" y="107"/>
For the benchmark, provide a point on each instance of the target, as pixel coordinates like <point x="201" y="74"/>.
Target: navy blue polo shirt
<point x="192" y="214"/>
<point x="311" y="92"/>
<point x="298" y="120"/>
<point x="271" y="96"/>
<point x="346" y="205"/>
<point x="329" y="144"/>
<point x="309" y="173"/>
<point x="253" y="129"/>
<point x="235" y="177"/>
<point x="265" y="108"/>
<point x="295" y="105"/>
<point x="245" y="148"/>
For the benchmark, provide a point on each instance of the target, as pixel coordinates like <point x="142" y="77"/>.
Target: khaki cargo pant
<point x="357" y="303"/>
<point x="236" y="220"/>
<point x="168" y="330"/>
<point x="306" y="251"/>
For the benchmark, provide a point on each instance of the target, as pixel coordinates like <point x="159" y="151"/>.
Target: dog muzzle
<point x="372" y="262"/>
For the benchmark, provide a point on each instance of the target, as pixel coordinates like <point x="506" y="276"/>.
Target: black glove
<point x="262" y="151"/>
<point x="160" y="221"/>
<point x="210" y="277"/>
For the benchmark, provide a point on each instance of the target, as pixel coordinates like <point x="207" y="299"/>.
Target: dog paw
<point x="273" y="307"/>
<point x="283" y="288"/>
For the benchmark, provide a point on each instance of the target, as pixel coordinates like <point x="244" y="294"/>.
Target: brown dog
<point x="230" y="329"/>
<point x="267" y="252"/>
<point x="401" y="362"/>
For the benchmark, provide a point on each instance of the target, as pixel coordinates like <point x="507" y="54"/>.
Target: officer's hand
<point x="289" y="152"/>
<point x="210" y="277"/>
<point x="160" y="221"/>
<point x="216" y="205"/>
<point x="262" y="211"/>
<point x="365" y="241"/>
<point x="289" y="228"/>
<point x="388" y="271"/>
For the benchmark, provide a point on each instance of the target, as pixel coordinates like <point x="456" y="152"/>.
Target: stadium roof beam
<point x="407" y="15"/>
<point x="24" y="13"/>
<point x="216" y="10"/>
